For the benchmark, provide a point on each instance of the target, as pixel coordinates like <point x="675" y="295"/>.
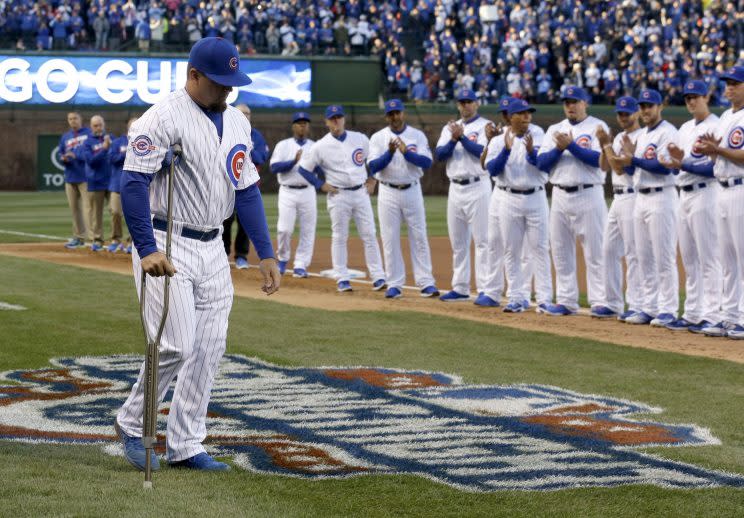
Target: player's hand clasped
<point x="157" y="265"/>
<point x="271" y="276"/>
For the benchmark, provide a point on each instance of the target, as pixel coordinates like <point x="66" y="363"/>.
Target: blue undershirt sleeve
<point x="282" y="167"/>
<point x="704" y="169"/>
<point x="588" y="156"/>
<point x="471" y="147"/>
<point x="651" y="165"/>
<point x="259" y="153"/>
<point x="135" y="203"/>
<point x="546" y="161"/>
<point x="496" y="166"/>
<point x="444" y="152"/>
<point x="532" y="157"/>
<point x="252" y="216"/>
<point x="310" y="177"/>
<point x="380" y="163"/>
<point x="629" y="170"/>
<point x="424" y="162"/>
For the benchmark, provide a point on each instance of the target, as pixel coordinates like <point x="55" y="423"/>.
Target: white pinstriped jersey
<point x="570" y="170"/>
<point x="653" y="143"/>
<point x="689" y="133"/>
<point x="463" y="164"/>
<point x="518" y="173"/>
<point x="342" y="161"/>
<point x="209" y="171"/>
<point x="731" y="133"/>
<point x="623" y="180"/>
<point x="399" y="170"/>
<point x="286" y="150"/>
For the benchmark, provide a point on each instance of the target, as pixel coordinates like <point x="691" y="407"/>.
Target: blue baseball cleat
<point x="485" y="301"/>
<point x="241" y="263"/>
<point x="663" y="319"/>
<point x="202" y="462"/>
<point x="113" y="248"/>
<point x="299" y="273"/>
<point x="736" y="332"/>
<point x="525" y="304"/>
<point x="393" y="293"/>
<point x="128" y="249"/>
<point x="134" y="451"/>
<point x="282" y="267"/>
<point x="96" y="247"/>
<point x="640" y="318"/>
<point x="343" y="286"/>
<point x="680" y="324"/>
<point x="430" y="291"/>
<point x="453" y="296"/>
<point x="558" y="310"/>
<point x="378" y="285"/>
<point x="514" y="307"/>
<point x="602" y="312"/>
<point x="542" y="309"/>
<point x="74" y="243"/>
<point x="622" y="317"/>
<point x="701" y="327"/>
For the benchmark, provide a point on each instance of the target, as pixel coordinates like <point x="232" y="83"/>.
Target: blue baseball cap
<point x="626" y="104"/>
<point x="394" y="105"/>
<point x="695" y="88"/>
<point x="504" y="103"/>
<point x="519" y="106"/>
<point x="466" y="95"/>
<point x="218" y="59"/>
<point x="734" y="74"/>
<point x="300" y="116"/>
<point x="576" y="93"/>
<point x="650" y="96"/>
<point x="334" y="110"/>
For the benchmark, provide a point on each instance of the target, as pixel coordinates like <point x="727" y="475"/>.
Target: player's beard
<point x="218" y="107"/>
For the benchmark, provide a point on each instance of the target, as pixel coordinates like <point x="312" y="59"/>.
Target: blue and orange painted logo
<point x="345" y="421"/>
<point x="235" y="161"/>
<point x="736" y="138"/>
<point x="358" y="157"/>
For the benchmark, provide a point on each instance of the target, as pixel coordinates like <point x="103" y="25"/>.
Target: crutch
<point x="152" y="352"/>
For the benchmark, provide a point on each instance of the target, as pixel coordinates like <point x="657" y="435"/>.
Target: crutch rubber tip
<point x="147" y="484"/>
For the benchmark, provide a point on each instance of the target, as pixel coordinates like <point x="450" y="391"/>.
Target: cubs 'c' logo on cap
<point x="736" y="138"/>
<point x="623" y="102"/>
<point x="334" y="109"/>
<point x="358" y="156"/>
<point x="584" y="141"/>
<point x="235" y="161"/>
<point x="646" y="95"/>
<point x="650" y="152"/>
<point x="233" y="63"/>
<point x="142" y="145"/>
<point x="473" y="137"/>
<point x="690" y="86"/>
<point x="570" y="91"/>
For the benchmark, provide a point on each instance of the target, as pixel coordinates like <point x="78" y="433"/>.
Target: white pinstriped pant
<point x="296" y="204"/>
<point x="729" y="217"/>
<point x="193" y="340"/>
<point x="394" y="207"/>
<point x="619" y="242"/>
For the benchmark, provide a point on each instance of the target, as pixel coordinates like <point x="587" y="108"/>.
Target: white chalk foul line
<point x="10" y="307"/>
<point x="26" y="234"/>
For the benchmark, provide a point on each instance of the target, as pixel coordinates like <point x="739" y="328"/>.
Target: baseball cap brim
<point x="733" y="77"/>
<point x="236" y="79"/>
<point x="572" y="97"/>
<point x="625" y="110"/>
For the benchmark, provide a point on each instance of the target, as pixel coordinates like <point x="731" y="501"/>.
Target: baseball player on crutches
<point x="215" y="177"/>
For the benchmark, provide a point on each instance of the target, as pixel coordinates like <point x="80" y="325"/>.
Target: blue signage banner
<point x="134" y="81"/>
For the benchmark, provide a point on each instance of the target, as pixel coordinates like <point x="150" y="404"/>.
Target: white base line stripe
<point x="10" y="307"/>
<point x="26" y="234"/>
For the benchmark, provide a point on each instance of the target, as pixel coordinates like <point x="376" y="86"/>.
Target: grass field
<point x="75" y="312"/>
<point x="47" y="213"/>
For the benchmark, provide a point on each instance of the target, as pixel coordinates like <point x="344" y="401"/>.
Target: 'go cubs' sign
<point x="340" y="422"/>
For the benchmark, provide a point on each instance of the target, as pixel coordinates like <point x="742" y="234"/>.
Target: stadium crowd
<point x="430" y="49"/>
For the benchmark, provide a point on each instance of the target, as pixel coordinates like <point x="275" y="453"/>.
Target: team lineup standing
<point x="670" y="187"/>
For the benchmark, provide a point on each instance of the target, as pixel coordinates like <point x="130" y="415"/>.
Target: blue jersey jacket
<point x="97" y="166"/>
<point x="116" y="155"/>
<point x="74" y="167"/>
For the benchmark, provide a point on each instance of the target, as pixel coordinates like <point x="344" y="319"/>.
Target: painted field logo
<point x="340" y="422"/>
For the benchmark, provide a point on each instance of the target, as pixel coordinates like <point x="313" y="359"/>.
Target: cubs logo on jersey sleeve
<point x="358" y="157"/>
<point x="412" y="148"/>
<point x="235" y="162"/>
<point x="584" y="141"/>
<point x="650" y="152"/>
<point x="694" y="153"/>
<point x="142" y="145"/>
<point x="473" y="137"/>
<point x="736" y="138"/>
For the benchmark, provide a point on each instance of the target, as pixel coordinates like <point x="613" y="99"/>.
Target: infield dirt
<point x="315" y="292"/>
